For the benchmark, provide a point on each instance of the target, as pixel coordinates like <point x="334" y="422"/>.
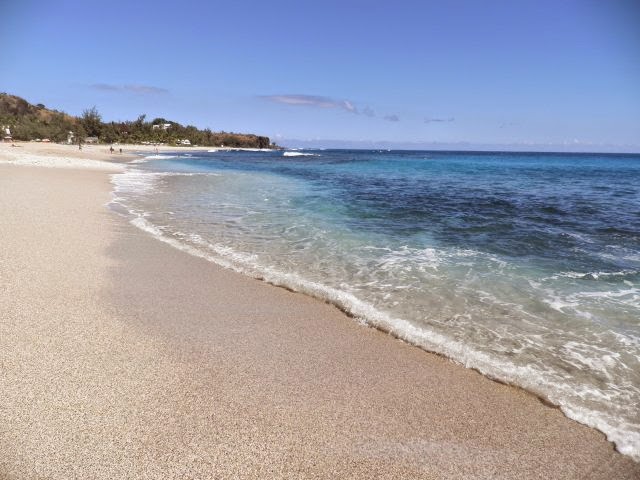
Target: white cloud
<point x="312" y="101"/>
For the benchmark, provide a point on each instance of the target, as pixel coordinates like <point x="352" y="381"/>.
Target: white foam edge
<point x="136" y="181"/>
<point x="239" y="149"/>
<point x="299" y="154"/>
<point x="160" y="156"/>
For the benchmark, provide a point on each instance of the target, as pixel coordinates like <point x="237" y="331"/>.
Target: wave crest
<point x="299" y="154"/>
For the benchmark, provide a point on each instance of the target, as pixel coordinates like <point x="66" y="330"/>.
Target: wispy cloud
<point x="317" y="101"/>
<point x="312" y="101"/>
<point x="439" y="120"/>
<point x="130" y="88"/>
<point x="368" y="111"/>
<point x="105" y="87"/>
<point x="508" y="124"/>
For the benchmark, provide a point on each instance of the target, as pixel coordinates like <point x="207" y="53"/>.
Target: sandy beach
<point x="61" y="156"/>
<point x="122" y="357"/>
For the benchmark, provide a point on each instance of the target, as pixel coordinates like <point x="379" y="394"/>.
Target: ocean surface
<point x="525" y="267"/>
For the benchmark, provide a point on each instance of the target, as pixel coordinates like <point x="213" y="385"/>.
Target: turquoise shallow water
<point x="524" y="266"/>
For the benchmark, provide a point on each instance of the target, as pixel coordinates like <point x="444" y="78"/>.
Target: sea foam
<point x="299" y="154"/>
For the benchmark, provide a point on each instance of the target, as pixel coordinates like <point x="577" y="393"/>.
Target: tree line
<point x="31" y="122"/>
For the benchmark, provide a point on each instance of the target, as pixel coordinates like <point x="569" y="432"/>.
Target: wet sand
<point x="121" y="357"/>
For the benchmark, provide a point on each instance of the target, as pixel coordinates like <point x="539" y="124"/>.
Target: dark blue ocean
<point x="524" y="266"/>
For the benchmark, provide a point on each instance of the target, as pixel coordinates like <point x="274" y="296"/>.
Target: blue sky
<point x="517" y="74"/>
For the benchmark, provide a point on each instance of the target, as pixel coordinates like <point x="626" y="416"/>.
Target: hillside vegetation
<point x="31" y="122"/>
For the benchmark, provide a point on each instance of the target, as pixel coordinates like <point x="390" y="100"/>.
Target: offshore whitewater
<point x="523" y="266"/>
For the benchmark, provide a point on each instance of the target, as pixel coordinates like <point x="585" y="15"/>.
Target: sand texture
<point x="52" y="155"/>
<point x="123" y="358"/>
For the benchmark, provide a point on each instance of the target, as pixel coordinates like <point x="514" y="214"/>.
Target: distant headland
<point x="24" y="121"/>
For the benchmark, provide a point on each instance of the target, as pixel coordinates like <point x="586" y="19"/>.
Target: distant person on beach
<point x="120" y="150"/>
<point x="111" y="149"/>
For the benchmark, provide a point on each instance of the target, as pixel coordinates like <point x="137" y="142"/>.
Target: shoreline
<point x="297" y="368"/>
<point x="91" y="156"/>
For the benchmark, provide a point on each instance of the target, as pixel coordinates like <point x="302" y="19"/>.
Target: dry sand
<point x="121" y="357"/>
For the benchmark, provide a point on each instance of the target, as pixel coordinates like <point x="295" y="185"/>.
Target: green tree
<point x="110" y="132"/>
<point x="91" y="121"/>
<point x="263" y="142"/>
